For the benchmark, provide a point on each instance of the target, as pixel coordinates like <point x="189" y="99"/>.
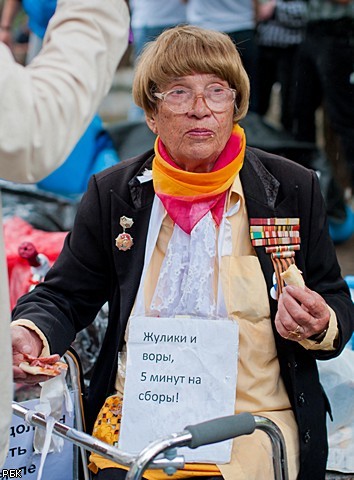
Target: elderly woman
<point x="221" y="222"/>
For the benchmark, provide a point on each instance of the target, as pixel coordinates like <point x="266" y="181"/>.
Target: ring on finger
<point x="295" y="333"/>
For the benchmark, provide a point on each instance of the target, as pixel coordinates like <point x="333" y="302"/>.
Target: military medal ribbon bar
<point x="281" y="239"/>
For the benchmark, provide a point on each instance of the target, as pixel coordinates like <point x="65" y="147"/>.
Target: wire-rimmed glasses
<point x="181" y="100"/>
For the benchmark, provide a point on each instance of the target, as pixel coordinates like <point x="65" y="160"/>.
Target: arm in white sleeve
<point x="47" y="105"/>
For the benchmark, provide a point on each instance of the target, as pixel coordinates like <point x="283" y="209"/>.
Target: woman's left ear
<point x="152" y="124"/>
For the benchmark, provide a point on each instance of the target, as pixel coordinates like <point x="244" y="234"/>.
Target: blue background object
<point x="93" y="152"/>
<point x="340" y="232"/>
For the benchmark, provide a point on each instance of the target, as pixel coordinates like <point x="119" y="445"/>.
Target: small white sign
<point x="180" y="371"/>
<point x="23" y="462"/>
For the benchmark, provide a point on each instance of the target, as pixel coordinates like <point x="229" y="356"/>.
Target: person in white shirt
<point x="45" y="108"/>
<point x="147" y="25"/>
<point x="237" y="18"/>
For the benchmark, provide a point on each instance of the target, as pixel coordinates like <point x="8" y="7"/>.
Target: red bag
<point x="16" y="231"/>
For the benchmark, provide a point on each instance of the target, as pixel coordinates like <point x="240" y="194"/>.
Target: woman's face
<point x="195" y="139"/>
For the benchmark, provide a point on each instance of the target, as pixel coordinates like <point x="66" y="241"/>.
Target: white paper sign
<point x="22" y="461"/>
<point x="180" y="371"/>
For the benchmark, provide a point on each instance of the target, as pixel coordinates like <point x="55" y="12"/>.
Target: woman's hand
<point x="301" y="314"/>
<point x="24" y="341"/>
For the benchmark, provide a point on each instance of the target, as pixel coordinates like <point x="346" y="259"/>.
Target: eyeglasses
<point x="181" y="100"/>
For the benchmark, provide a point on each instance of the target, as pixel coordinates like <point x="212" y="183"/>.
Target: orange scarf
<point x="189" y="196"/>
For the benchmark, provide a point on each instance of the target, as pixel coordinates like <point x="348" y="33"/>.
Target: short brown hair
<point x="184" y="50"/>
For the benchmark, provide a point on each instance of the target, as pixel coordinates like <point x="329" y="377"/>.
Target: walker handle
<point x="220" y="429"/>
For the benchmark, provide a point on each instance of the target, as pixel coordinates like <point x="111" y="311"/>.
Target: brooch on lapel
<point x="281" y="239"/>
<point x="124" y="241"/>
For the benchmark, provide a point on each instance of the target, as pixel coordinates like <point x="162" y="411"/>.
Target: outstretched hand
<point x="25" y="341"/>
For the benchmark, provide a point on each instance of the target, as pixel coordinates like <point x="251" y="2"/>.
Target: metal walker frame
<point x="162" y="453"/>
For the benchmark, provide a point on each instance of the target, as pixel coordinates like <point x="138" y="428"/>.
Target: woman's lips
<point x="200" y="132"/>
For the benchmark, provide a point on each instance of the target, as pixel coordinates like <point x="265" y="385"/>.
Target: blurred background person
<point x="62" y="87"/>
<point x="325" y="78"/>
<point x="10" y="8"/>
<point x="149" y="18"/>
<point x="38" y="13"/>
<point x="280" y="30"/>
<point x="237" y="18"/>
<point x="94" y="151"/>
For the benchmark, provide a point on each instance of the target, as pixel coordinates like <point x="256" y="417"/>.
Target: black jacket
<point x="91" y="270"/>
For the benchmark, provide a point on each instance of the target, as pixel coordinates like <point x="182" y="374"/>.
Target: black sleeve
<point x="322" y="271"/>
<point x="76" y="286"/>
